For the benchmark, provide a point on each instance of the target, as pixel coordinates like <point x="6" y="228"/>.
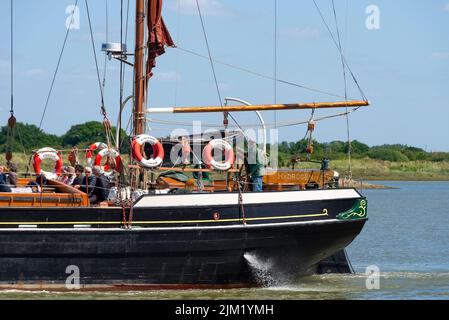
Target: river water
<point x="406" y="240"/>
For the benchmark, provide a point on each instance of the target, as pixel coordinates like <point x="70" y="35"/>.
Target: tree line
<point x="29" y="137"/>
<point x="337" y="150"/>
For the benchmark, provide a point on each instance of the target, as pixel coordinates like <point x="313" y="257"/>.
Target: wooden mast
<point x="139" y="69"/>
<point x="139" y="86"/>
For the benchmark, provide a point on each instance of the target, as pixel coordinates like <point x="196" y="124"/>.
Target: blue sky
<point x="403" y="67"/>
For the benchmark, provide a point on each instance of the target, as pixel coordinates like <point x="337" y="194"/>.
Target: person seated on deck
<point x="88" y="183"/>
<point x="70" y="175"/>
<point x="37" y="185"/>
<point x="101" y="191"/>
<point x="78" y="180"/>
<point x="62" y="177"/>
<point x="4" y="187"/>
<point x="11" y="177"/>
<point x="67" y="176"/>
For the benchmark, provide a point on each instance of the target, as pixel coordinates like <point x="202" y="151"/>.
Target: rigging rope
<point x="212" y="64"/>
<point x="260" y="74"/>
<point x="275" y="57"/>
<point x="122" y="70"/>
<point x="57" y="66"/>
<point x="346" y="92"/>
<point x="106" y="123"/>
<point x="339" y="49"/>
<point x="103" y="110"/>
<point x="178" y="36"/>
<point x="208" y="50"/>
<point x="12" y="60"/>
<point x="12" y="120"/>
<point x="107" y="40"/>
<point x="121" y="80"/>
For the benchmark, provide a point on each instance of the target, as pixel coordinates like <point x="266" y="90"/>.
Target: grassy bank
<point x="370" y="169"/>
<point x="363" y="169"/>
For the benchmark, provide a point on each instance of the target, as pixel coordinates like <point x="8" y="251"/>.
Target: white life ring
<point x="158" y="149"/>
<point x="111" y="154"/>
<point x="90" y="152"/>
<point x="209" y="159"/>
<point x="47" y="153"/>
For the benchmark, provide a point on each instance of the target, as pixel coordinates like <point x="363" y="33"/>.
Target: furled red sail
<point x="158" y="37"/>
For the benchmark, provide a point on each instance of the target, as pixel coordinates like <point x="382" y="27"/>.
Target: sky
<point x="400" y="60"/>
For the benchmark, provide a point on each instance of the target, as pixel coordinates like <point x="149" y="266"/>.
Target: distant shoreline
<point x="400" y="179"/>
<point x="378" y="170"/>
<point x="366" y="170"/>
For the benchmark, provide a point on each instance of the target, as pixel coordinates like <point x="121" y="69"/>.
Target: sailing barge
<point x="196" y="239"/>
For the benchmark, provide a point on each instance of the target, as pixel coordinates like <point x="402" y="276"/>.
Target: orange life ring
<point x="211" y="162"/>
<point x="92" y="148"/>
<point x="47" y="153"/>
<point x="111" y="154"/>
<point x="158" y="149"/>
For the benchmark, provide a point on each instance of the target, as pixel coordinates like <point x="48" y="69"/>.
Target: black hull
<point x="189" y="252"/>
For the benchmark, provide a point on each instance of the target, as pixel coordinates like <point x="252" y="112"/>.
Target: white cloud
<point x="440" y="55"/>
<point x="166" y="76"/>
<point x="306" y="32"/>
<point x="446" y="7"/>
<point x="4" y="67"/>
<point x="207" y="7"/>
<point x="4" y="64"/>
<point x="37" y="72"/>
<point x="99" y="37"/>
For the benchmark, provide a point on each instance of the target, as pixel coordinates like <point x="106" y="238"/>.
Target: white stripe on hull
<point x="217" y="199"/>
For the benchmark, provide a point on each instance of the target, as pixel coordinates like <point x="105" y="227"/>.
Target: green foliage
<point x="382" y="153"/>
<point x="83" y="135"/>
<point x="398" y="152"/>
<point x="29" y="137"/>
<point x="357" y="148"/>
<point x="338" y="150"/>
<point x="439" y="156"/>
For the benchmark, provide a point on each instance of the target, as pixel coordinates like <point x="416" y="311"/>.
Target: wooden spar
<point x="139" y="65"/>
<point x="264" y="107"/>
